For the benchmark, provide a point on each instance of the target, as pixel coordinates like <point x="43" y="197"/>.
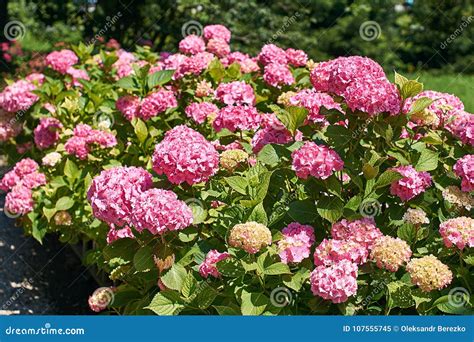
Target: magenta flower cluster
<point x="296" y="242"/>
<point x="315" y="160"/>
<point x="46" y="134"/>
<point x="184" y="155"/>
<point x="412" y="184"/>
<point x="85" y="137"/>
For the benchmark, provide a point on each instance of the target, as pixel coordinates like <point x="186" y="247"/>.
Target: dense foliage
<point x="213" y="182"/>
<point x="412" y="34"/>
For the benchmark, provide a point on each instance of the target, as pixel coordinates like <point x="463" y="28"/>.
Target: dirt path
<point x="37" y="279"/>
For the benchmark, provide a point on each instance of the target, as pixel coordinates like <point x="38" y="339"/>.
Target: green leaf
<point x="428" y="161"/>
<point x="231" y="268"/>
<point x="411" y="88"/>
<point x="226" y="310"/>
<point x="174" y="278"/>
<point x="237" y="183"/>
<point x="399" y="295"/>
<point x="268" y="155"/>
<point x="420" y="105"/>
<point x="387" y="178"/>
<point x="166" y="303"/>
<point x="49" y="213"/>
<point x="199" y="212"/>
<point x="276" y="269"/>
<point x="292" y="118"/>
<point x="258" y="214"/>
<point x="140" y="129"/>
<point x="143" y="259"/>
<point x="330" y="209"/>
<point x="64" y="203"/>
<point x="302" y="211"/>
<point x="189" y="286"/>
<point x="159" y="78"/>
<point x="447" y="305"/>
<point x="127" y="83"/>
<point x="400" y="80"/>
<point x="407" y="232"/>
<point x="338" y="135"/>
<point x="70" y="170"/>
<point x="253" y="303"/>
<point x="205" y="296"/>
<point x="216" y="70"/>
<point x="296" y="281"/>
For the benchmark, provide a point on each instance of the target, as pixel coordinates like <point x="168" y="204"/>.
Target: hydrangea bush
<point x="214" y="182"/>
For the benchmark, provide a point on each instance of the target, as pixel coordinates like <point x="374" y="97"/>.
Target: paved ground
<point x="37" y="279"/>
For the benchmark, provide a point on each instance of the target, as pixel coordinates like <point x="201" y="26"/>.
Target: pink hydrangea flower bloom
<point x="237" y="118"/>
<point x="9" y="126"/>
<point x="35" y="78"/>
<point x="217" y="31"/>
<point x="184" y="155"/>
<point x="464" y="168"/>
<point x="47" y="132"/>
<point x="271" y="53"/>
<point x="336" y="282"/>
<point x="362" y="231"/>
<point x="208" y="266"/>
<point x="129" y="106"/>
<point x="458" y="232"/>
<point x="313" y="101"/>
<point x="76" y="75"/>
<point x="235" y="93"/>
<point x="318" y="161"/>
<point x="84" y="137"/>
<point x="25" y="174"/>
<point x="412" y="184"/>
<point x="296" y="243"/>
<point x="332" y="251"/>
<point x="18" y="96"/>
<point x="297" y="58"/>
<point x="373" y="96"/>
<point x="336" y="75"/>
<point x="246" y="63"/>
<point x="160" y="211"/>
<point x="199" y="111"/>
<point x="115" y="234"/>
<point x="278" y="75"/>
<point x="111" y="193"/>
<point x="62" y="60"/>
<point x="193" y="65"/>
<point x="19" y="200"/>
<point x="192" y="44"/>
<point x="444" y="105"/>
<point x="462" y="127"/>
<point x="156" y="103"/>
<point x="218" y="47"/>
